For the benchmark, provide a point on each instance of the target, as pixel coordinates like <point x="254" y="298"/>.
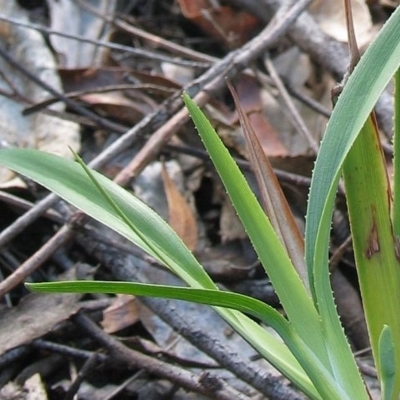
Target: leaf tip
<point x="30" y="286"/>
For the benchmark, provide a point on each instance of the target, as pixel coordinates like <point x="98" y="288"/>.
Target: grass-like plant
<point x="312" y="350"/>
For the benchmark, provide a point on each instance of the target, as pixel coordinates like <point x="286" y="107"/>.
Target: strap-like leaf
<point x="311" y="364"/>
<point x="287" y="283"/>
<point x="370" y="77"/>
<point x="69" y="180"/>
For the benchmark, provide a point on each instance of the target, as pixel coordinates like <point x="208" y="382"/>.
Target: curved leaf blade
<point x="349" y="115"/>
<point x="311" y="364"/>
<point x="291" y="292"/>
<point x="69" y="180"/>
<point x="370" y="77"/>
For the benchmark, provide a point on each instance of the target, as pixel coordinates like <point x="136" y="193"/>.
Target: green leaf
<point x="70" y="181"/>
<point x="370" y="77"/>
<point x="273" y="199"/>
<point x="312" y="365"/>
<point x="387" y="363"/>
<point x="218" y="298"/>
<point x="378" y="268"/>
<point x="349" y="115"/>
<point x="396" y="159"/>
<point x="287" y="283"/>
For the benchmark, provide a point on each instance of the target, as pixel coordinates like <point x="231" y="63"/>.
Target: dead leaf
<point x="330" y="16"/>
<point x="155" y="79"/>
<point x="234" y="28"/>
<point x="86" y="79"/>
<point x="121" y="314"/>
<point x="273" y="199"/>
<point x="229" y="262"/>
<point x="117" y="105"/>
<point x="34" y="388"/>
<point x="69" y="17"/>
<point x="230" y="226"/>
<point x="177" y="73"/>
<point x="35" y="316"/>
<point x="248" y="92"/>
<point x="45" y="132"/>
<point x="181" y="217"/>
<point x="12" y="391"/>
<point x="80" y="79"/>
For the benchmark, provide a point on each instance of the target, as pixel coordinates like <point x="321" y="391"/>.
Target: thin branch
<point x="130" y="268"/>
<point x="109" y="125"/>
<point x="155" y="40"/>
<point x="205" y="383"/>
<point x="210" y="82"/>
<point x="294" y="113"/>
<point x="127" y="49"/>
<point x="101" y="89"/>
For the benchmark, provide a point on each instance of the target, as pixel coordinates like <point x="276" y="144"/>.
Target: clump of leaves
<point x="313" y="351"/>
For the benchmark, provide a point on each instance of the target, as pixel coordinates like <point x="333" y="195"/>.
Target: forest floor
<point x="105" y="78"/>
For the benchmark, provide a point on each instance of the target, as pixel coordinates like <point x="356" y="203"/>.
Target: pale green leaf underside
<point x="387" y="362"/>
<point x="69" y="180"/>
